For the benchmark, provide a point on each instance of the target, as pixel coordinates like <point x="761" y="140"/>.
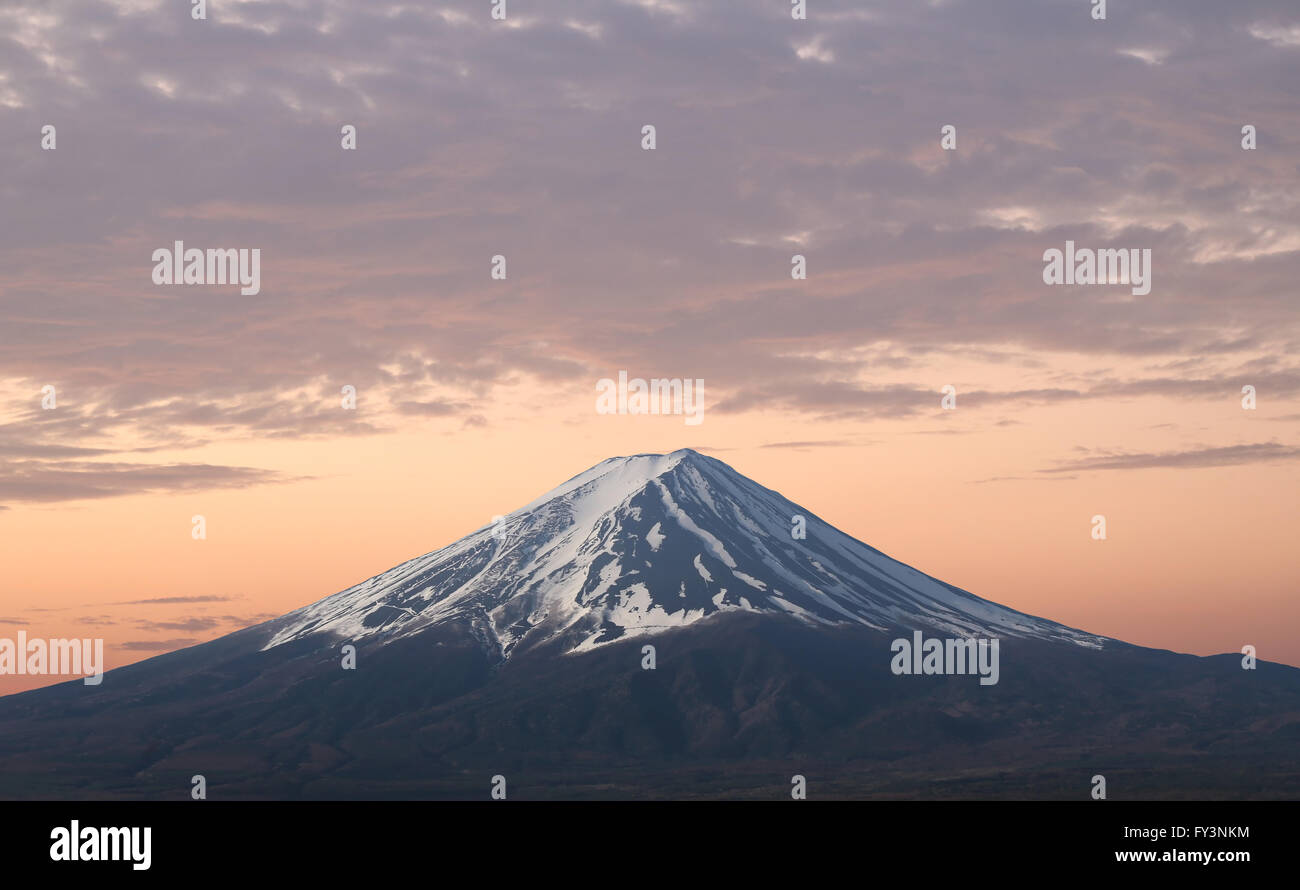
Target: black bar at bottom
<point x="599" y="841"/>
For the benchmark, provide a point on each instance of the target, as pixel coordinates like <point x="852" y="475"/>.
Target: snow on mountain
<point x="638" y="545"/>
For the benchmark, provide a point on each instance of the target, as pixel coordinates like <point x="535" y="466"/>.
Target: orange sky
<point x="1198" y="560"/>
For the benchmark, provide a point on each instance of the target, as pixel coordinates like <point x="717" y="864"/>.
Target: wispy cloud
<point x="157" y="645"/>
<point x="190" y="624"/>
<point x="45" y="482"/>
<point x="1223" y="456"/>
<point x="176" y="599"/>
<point x="826" y="443"/>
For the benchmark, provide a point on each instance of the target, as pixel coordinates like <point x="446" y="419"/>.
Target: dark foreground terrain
<point x="736" y="706"/>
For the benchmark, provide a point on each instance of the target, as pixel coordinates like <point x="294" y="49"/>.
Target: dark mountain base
<point x="737" y="706"/>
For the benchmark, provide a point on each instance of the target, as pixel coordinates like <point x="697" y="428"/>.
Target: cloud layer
<point x="478" y="138"/>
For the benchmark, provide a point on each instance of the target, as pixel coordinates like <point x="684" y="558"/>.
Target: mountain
<point x="517" y="651"/>
<point x="642" y="544"/>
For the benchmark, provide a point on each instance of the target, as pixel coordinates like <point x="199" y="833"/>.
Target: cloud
<point x="828" y="443"/>
<point x="157" y="645"/>
<point x="1149" y="55"/>
<point x="24" y="449"/>
<point x="1278" y="35"/>
<point x="432" y="408"/>
<point x="205" y="622"/>
<point x="476" y="140"/>
<point x="176" y="599"/>
<point x="1223" y="456"/>
<point x="244" y="620"/>
<point x="46" y="482"/>
<point x="191" y="624"/>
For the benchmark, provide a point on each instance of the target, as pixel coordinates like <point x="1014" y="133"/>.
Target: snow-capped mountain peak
<point x="642" y="544"/>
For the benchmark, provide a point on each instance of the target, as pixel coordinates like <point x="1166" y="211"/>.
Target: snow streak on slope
<point x="637" y="545"/>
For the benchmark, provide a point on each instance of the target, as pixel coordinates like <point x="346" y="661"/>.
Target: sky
<point x="523" y="138"/>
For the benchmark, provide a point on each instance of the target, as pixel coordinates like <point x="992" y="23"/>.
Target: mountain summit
<point x="642" y="544"/>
